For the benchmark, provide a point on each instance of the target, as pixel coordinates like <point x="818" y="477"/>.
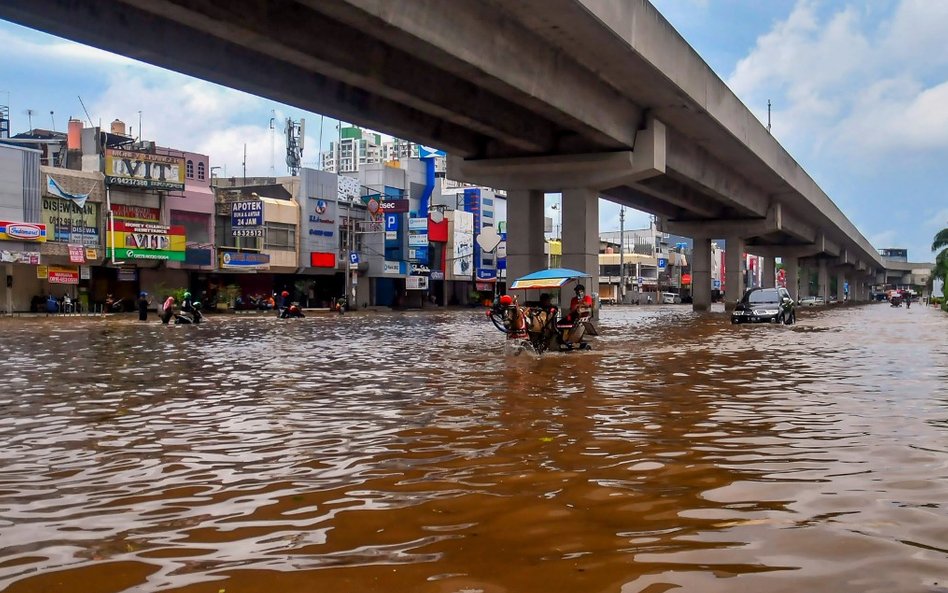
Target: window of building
<point x="195" y="225"/>
<point x="201" y="171"/>
<point x="190" y="170"/>
<point x="280" y="236"/>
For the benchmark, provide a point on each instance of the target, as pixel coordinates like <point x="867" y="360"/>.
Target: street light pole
<point x="622" y="254"/>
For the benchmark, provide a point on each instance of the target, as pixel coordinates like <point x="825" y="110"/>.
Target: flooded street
<point x="404" y="452"/>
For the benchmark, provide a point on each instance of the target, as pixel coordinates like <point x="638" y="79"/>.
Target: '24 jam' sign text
<point x="246" y="215"/>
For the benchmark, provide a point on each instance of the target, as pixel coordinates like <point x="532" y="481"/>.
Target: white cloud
<point x="853" y="83"/>
<point x="19" y="47"/>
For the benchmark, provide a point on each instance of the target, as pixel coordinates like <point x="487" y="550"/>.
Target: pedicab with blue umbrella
<point x="532" y="316"/>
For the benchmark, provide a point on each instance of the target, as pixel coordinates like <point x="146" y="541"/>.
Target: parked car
<point x="670" y="298"/>
<point x="765" y="305"/>
<point x="812" y="301"/>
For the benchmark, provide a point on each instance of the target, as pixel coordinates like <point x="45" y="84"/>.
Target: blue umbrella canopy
<point x="552" y="278"/>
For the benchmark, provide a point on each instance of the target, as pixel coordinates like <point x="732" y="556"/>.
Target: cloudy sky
<point x="859" y="93"/>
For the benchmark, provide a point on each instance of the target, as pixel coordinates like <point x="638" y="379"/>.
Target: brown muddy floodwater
<point x="404" y="452"/>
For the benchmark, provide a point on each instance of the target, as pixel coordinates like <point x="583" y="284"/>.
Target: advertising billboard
<point x="67" y="222"/>
<point x="126" y="168"/>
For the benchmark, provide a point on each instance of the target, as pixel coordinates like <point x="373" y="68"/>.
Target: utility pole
<point x="768" y="115"/>
<point x="622" y="254"/>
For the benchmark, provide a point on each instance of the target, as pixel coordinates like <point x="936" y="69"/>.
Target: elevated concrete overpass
<point x="586" y="97"/>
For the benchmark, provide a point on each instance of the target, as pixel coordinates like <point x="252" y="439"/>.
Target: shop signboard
<point x="437" y="275"/>
<point x="321" y="226"/>
<point x="144" y="170"/>
<point x="247" y="214"/>
<point x="393" y="206"/>
<point x="42" y="272"/>
<point x="391" y="267"/>
<point x="417" y="240"/>
<point x="127" y="274"/>
<point x="85" y="273"/>
<point x="416" y="283"/>
<point x="418" y="254"/>
<point x="240" y="260"/>
<point x="20" y="257"/>
<point x="63" y="274"/>
<point x="70" y="223"/>
<point x="138" y="240"/>
<point x="92" y="253"/>
<point x="142" y="213"/>
<point x="463" y="244"/>
<point x="484" y="274"/>
<point x="22" y="231"/>
<point x="77" y="254"/>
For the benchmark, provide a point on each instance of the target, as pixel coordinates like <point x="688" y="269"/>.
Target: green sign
<point x="126" y="253"/>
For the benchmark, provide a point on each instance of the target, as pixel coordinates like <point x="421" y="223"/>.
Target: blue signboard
<point x="246" y="214"/>
<point x="391" y="222"/>
<point x="662" y="263"/>
<point x="353" y="258"/>
<point x="716" y="284"/>
<point x="483" y="274"/>
<point x="241" y="260"/>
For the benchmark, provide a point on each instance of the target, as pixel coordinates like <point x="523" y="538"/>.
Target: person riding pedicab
<point x="578" y="302"/>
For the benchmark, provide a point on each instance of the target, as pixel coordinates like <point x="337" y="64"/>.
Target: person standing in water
<point x="167" y="310"/>
<point x="143" y="306"/>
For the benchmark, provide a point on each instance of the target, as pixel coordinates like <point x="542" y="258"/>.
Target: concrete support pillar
<point x="581" y="233"/>
<point x="791" y="269"/>
<point x="701" y="274"/>
<point x="768" y="276"/>
<point x="525" y="239"/>
<point x="840" y="284"/>
<point x="804" y="279"/>
<point x="823" y="281"/>
<point x="734" y="271"/>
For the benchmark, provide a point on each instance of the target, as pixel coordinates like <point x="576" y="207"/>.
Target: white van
<point x="670" y="298"/>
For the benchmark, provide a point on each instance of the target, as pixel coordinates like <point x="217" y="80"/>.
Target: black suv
<point x="765" y="305"/>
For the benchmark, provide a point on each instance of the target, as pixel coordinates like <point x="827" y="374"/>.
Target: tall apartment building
<point x="354" y="149"/>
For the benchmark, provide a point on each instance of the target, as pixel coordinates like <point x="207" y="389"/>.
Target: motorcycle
<point x="537" y="326"/>
<point x="291" y="312"/>
<point x="191" y="316"/>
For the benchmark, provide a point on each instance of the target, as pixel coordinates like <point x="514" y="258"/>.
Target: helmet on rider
<point x="506" y="300"/>
<point x="186" y="295"/>
<point x="284" y="294"/>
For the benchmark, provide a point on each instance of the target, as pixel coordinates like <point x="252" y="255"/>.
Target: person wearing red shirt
<point x="580" y="300"/>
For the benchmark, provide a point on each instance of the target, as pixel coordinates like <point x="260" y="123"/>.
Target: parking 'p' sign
<point x="353" y="258"/>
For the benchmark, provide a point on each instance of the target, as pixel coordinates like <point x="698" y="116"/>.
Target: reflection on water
<point x="404" y="452"/>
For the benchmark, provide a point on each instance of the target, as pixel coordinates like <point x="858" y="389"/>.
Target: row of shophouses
<point x="109" y="216"/>
<point x="105" y="216"/>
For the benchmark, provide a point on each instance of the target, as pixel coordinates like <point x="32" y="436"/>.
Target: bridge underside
<point x="556" y="95"/>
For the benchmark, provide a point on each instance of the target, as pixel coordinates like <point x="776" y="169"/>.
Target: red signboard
<point x="685" y="279"/>
<point x="63" y="275"/>
<point x="320" y="259"/>
<point x="136" y="212"/>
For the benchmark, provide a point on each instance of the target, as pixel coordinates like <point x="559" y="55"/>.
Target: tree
<point x="941" y="261"/>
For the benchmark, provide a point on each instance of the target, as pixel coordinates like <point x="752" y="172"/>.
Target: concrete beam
<point x="283" y="30"/>
<point x="553" y="173"/>
<point x="777" y="220"/>
<point x="496" y="52"/>
<point x="690" y="163"/>
<point x="178" y="47"/>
